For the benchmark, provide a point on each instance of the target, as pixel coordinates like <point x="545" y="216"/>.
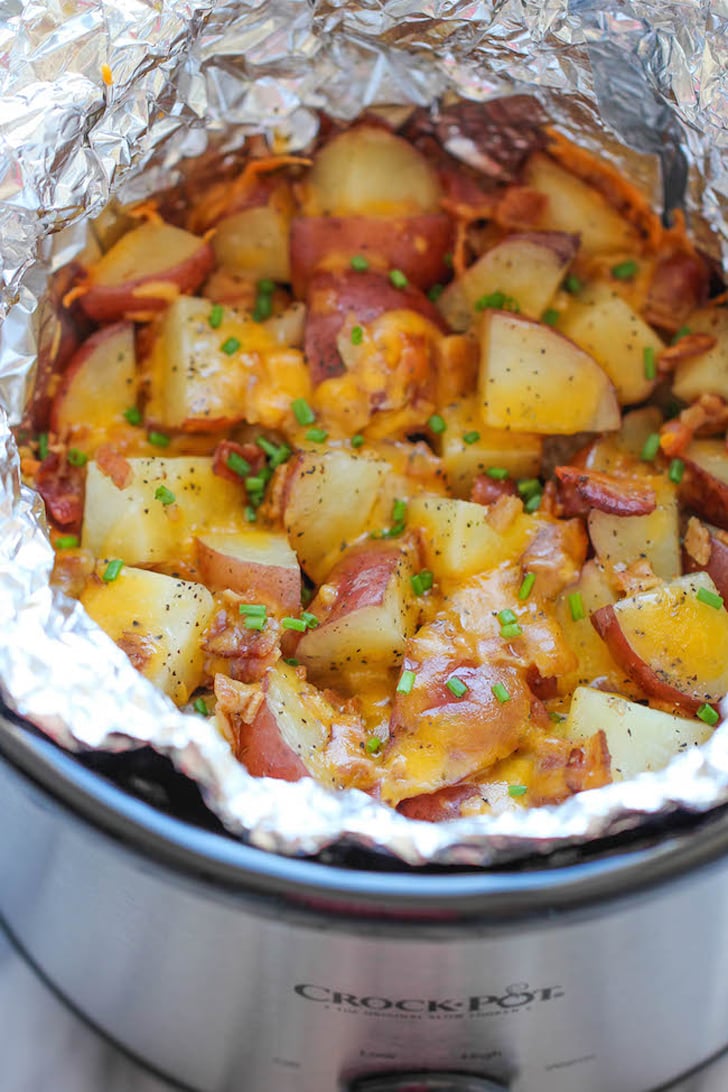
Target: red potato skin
<point x="434" y="807"/>
<point x="360" y="579"/>
<point x="487" y="490"/>
<point x="606" y="624"/>
<point x="416" y="245"/>
<point x="79" y="359"/>
<point x="262" y="749"/>
<point x="716" y="567"/>
<point x="704" y="493"/>
<point x="272" y="583"/>
<point x="580" y="490"/>
<point x="679" y="285"/>
<point x="331" y="296"/>
<point x="62" y="487"/>
<point x="112" y="302"/>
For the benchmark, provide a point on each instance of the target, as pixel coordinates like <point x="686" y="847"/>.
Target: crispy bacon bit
<point x="636" y="577"/>
<point x="708" y="415"/>
<point x="139" y="647"/>
<point x="556" y="555"/>
<point x="697" y="541"/>
<point x="679" y="285"/>
<point x="562" y="769"/>
<point x="581" y="490"/>
<point x="520" y="207"/>
<point x="237" y="698"/>
<point x="487" y="490"/>
<point x="248" y="652"/>
<point x="114" y="466"/>
<point x="543" y="688"/>
<point x="688" y="347"/>
<point x="62" y="488"/>
<point x="252" y="454"/>
<point x="502" y="514"/>
<point x="493" y="138"/>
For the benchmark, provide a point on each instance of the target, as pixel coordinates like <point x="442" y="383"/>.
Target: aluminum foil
<point x="648" y="77"/>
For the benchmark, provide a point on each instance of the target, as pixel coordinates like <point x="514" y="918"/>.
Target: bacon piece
<point x="252" y="454"/>
<point x="635" y="578"/>
<point x="697" y="542"/>
<point x="494" y="138"/>
<point x="62" y="487"/>
<point x="581" y="490"/>
<point x="434" y="807"/>
<point x="139" y="647"/>
<point x="556" y="555"/>
<point x="562" y="769"/>
<point x="708" y="415"/>
<point x="114" y="466"/>
<point x="487" y="490"/>
<point x="679" y="285"/>
<point x="520" y="207"/>
<point x="688" y="347"/>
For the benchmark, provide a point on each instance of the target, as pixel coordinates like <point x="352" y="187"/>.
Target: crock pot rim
<point x="231" y="864"/>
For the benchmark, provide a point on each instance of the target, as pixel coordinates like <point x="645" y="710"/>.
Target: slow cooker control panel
<point x="426" y="1082"/>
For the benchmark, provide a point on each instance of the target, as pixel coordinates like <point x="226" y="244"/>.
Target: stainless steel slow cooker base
<point x="235" y="971"/>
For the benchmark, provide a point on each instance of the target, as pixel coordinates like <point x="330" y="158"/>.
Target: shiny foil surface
<point x="643" y="83"/>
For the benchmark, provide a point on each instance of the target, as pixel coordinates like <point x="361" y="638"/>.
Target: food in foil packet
<point x="410" y="473"/>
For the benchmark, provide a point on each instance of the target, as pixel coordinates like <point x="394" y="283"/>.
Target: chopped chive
<point x="358" y="440"/>
<point x="456" y="686"/>
<point x="682" y="332"/>
<point x="500" y="693"/>
<point x="708" y="714"/>
<point x="317" y="435"/>
<point x="676" y="471"/>
<point x="533" y="503"/>
<point x="573" y="284"/>
<point x="250" y="513"/>
<point x="230" y="346"/>
<point x="506" y="617"/>
<point x="215" y="321"/>
<point x="421" y="581"/>
<point x="498" y="300"/>
<point x="253" y="608"/>
<point x="66" y="542"/>
<point x="710" y="598"/>
<point x="133" y="415"/>
<point x="649" y="362"/>
<point x="528" y="486"/>
<point x="526" y="587"/>
<point x="398" y="278"/>
<point x="112" y="570"/>
<point x="237" y="464"/>
<point x="76" y="457"/>
<point x="267" y="446"/>
<point x="291" y="661"/>
<point x="266" y="286"/>
<point x="359" y="263"/>
<point x="625" y="271"/>
<point x="651" y="447"/>
<point x="436" y="423"/>
<point x="302" y="411"/>
<point x="399" y="511"/>
<point x="357" y="335"/>
<point x="513" y="630"/>
<point x="498" y="472"/>
<point x="42" y="445"/>
<point x="471" y="437"/>
<point x="294" y="623"/>
<point x="435" y="292"/>
<point x="166" y="496"/>
<point x="200" y="706"/>
<point x="310" y="619"/>
<point x="255" y="483"/>
<point x="550" y="316"/>
<point x="373" y="745"/>
<point x="158" y="439"/>
<point x="255" y="621"/>
<point x="517" y="790"/>
<point x="407" y="681"/>
<point x="557" y="718"/>
<point x="262" y="308"/>
<point x="576" y="606"/>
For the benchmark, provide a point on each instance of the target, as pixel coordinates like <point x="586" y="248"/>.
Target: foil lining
<point x="643" y="83"/>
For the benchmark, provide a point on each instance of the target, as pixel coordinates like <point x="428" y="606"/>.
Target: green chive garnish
<point x="517" y="790"/>
<point x="358" y="440"/>
<point x="133" y="415"/>
<point x="576" y="606"/>
<point x="649" y="362"/>
<point x="651" y="447"/>
<point x="498" y="300"/>
<point x="250" y="513"/>
<point x="266" y="286"/>
<point x="527" y="586"/>
<point x="112" y="570"/>
<point x="262" y="308"/>
<point x="215" y="321"/>
<point x="359" y="263"/>
<point x="373" y="745"/>
<point x="550" y="316"/>
<point x="676" y="471"/>
<point x="513" y="630"/>
<point x="291" y="661"/>
<point x="230" y="346"/>
<point x="166" y="496"/>
<point x="527" y="487"/>
<point x="42" y="445"/>
<point x="267" y="446"/>
<point x="500" y="693"/>
<point x="506" y="617"/>
<point x="253" y="608"/>
<point x="435" y="292"/>
<point x="406" y="682"/>
<point x="158" y="439"/>
<point x="456" y="686"/>
<point x="710" y="598"/>
<point x="200" y="705"/>
<point x="573" y="285"/>
<point x="255" y="483"/>
<point x="682" y="332"/>
<point x="357" y="335"/>
<point x="437" y="423"/>
<point x="66" y="542"/>
<point x="302" y="411"/>
<point x="398" y="279"/>
<point x="471" y="437"/>
<point x="557" y="718"/>
<point x="624" y="271"/>
<point x="255" y="621"/>
<point x="237" y="464"/>
<point x="708" y="714"/>
<point x="76" y="457"/>
<point x="294" y="623"/>
<point x="421" y="581"/>
<point x="533" y="503"/>
<point x="498" y="472"/>
<point x="310" y="619"/>
<point x="317" y="435"/>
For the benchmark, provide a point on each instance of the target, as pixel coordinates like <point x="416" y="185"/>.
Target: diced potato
<point x="532" y="379"/>
<point x="517" y="452"/>
<point x="640" y="739"/>
<point x="255" y="242"/>
<point x="157" y="620"/>
<point x="259" y="564"/>
<point x="574" y="206"/>
<point x="98" y="385"/>
<point x="708" y="373"/>
<point x="458" y="540"/>
<point x="607" y="328"/>
<point x="622" y="540"/>
<point x="139" y="528"/>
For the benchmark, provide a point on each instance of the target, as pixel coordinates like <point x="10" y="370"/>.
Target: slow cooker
<point x="228" y="969"/>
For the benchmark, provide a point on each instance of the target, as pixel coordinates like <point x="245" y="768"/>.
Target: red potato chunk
<point x="259" y="565"/>
<point x="98" y="385"/>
